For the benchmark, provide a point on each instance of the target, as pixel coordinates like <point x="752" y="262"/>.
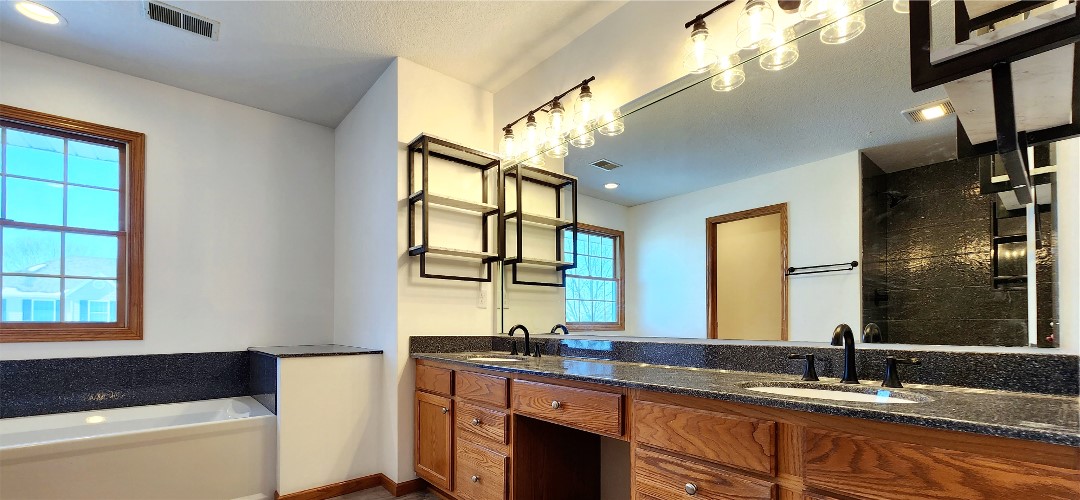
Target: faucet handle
<point x="892" y="373"/>
<point x="809" y="370"/>
<point x="513" y="348"/>
<point x="537" y="347"/>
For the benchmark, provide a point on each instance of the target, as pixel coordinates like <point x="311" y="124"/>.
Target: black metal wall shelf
<point x="428" y="147"/>
<point x="561" y="184"/>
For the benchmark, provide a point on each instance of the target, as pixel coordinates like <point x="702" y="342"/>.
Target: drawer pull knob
<point x="555" y="405"/>
<point x="444" y="410"/>
<point x="476" y="421"/>
<point x="691" y="489"/>
<point x="475" y="479"/>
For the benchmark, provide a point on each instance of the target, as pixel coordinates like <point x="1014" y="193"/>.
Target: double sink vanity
<point x="491" y="425"/>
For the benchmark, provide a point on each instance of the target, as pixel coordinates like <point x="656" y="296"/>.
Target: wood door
<point x="434" y="440"/>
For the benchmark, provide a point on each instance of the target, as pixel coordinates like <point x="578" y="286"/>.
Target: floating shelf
<point x="542" y="220"/>
<point x="421" y="200"/>
<point x="451" y="202"/>
<point x="453" y="252"/>
<point x="564" y="189"/>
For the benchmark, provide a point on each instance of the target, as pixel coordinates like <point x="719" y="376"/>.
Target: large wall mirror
<point x="796" y="200"/>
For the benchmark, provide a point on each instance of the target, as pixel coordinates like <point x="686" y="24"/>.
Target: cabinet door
<point x="434" y="443"/>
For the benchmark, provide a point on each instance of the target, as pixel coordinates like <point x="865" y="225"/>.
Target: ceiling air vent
<point x="180" y="18"/>
<point x="605" y="164"/>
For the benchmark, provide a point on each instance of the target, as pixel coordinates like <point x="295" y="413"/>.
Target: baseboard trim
<point x="354" y="485"/>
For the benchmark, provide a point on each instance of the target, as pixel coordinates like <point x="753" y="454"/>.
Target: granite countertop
<point x="305" y="351"/>
<point x="1035" y="417"/>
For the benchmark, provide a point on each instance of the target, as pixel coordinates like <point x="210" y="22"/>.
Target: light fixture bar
<point x="584" y="86"/>
<point x="701" y="17"/>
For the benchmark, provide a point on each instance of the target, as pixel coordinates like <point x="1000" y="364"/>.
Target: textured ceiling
<point x="835" y="99"/>
<point x="311" y="60"/>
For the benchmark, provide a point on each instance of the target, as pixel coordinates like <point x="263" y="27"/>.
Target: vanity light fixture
<point x="39" y="13"/>
<point x="901" y="6"/>
<point x="611" y="185"/>
<point x="699" y="57"/>
<point x="929" y="111"/>
<point x="578" y="132"/>
<point x="731" y="77"/>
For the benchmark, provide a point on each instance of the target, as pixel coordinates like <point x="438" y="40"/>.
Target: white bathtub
<point x="213" y="449"/>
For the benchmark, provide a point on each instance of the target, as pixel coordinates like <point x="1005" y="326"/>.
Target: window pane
<point x="35" y="155"/>
<point x="93" y="165"/>
<point x="608" y="248"/>
<point x="30" y="251"/>
<point x="90" y="301"/>
<point x="594" y="244"/>
<point x="31" y="299"/>
<point x="87" y="255"/>
<point x="607" y="268"/>
<point x="93" y="208"/>
<point x="38" y="202"/>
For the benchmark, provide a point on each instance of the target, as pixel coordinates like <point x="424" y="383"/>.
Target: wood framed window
<point x="595" y="290"/>
<point x="71" y="221"/>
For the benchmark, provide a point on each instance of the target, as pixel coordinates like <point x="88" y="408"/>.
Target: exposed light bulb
<point x="532" y="142"/>
<point x="582" y="135"/>
<point x="755" y="24"/>
<point x="847" y="26"/>
<point x="611" y="123"/>
<point x="778" y="54"/>
<point x="556" y="146"/>
<point x="38" y="12"/>
<point x="699" y="57"/>
<point x="558" y="115"/>
<point x="509" y="150"/>
<point x="731" y="77"/>
<point x="585" y="106"/>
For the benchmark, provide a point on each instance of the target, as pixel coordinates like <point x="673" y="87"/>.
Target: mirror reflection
<point x="758" y="212"/>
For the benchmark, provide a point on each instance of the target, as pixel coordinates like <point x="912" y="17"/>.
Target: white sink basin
<point x="854" y="394"/>
<point x="495" y="360"/>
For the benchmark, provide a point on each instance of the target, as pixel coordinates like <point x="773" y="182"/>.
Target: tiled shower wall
<point x="927" y="252"/>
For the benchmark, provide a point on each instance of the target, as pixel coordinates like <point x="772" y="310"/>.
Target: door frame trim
<point x="710" y="262"/>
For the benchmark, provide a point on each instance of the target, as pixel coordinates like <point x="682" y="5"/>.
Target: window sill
<point x="66" y="333"/>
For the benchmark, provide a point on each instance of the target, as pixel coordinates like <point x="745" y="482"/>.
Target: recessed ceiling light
<point x="611" y="185"/>
<point x="39" y="13"/>
<point x="929" y="111"/>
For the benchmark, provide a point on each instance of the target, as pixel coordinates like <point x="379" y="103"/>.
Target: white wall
<point x="666" y="255"/>
<point x="239" y="232"/>
<point x="380" y="299"/>
<point x="1068" y="240"/>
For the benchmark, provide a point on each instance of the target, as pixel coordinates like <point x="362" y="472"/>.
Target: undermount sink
<point x="492" y="359"/>
<point x="853" y="393"/>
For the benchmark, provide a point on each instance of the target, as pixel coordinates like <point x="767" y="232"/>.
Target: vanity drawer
<point x="482" y="388"/>
<point x="741" y="442"/>
<point x="434" y="379"/>
<point x="665" y="477"/>
<point x="481" y="424"/>
<point x="585" y="409"/>
<point x="481" y="473"/>
<point x="860" y="466"/>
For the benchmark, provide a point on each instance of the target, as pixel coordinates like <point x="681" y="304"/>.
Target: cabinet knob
<point x="476" y="421"/>
<point x="555" y="405"/>
<point x="475" y="479"/>
<point x="445" y="410"/>
<point x="691" y="489"/>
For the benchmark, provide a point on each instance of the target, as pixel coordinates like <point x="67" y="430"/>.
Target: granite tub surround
<point x="1035" y="417"/>
<point x="262" y="379"/>
<point x="1018" y="370"/>
<point x="46" y="386"/>
<point x="305" y="351"/>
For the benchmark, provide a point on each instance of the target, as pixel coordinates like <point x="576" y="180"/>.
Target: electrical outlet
<point x="483" y="300"/>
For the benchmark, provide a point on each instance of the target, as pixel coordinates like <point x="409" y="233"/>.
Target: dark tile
<point x="973" y="332"/>
<point x="957" y="303"/>
<point x="262" y="379"/>
<point x="966" y="269"/>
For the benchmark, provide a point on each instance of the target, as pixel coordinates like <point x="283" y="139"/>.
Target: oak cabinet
<point x="434" y="439"/>
<point x="484" y="435"/>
